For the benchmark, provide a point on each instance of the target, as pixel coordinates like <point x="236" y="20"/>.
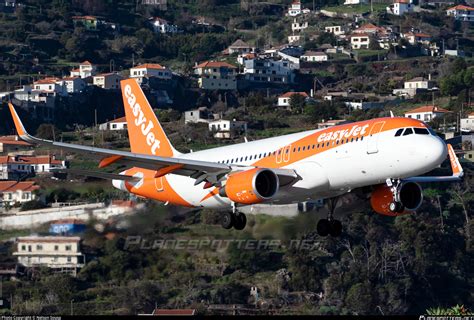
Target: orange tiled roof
<point x="52" y="239"/>
<point x="122" y="119"/>
<point x="86" y="63"/>
<point x="13" y="186"/>
<point x="214" y="64"/>
<point x="289" y="94"/>
<point x="461" y="7"/>
<point x="150" y="66"/>
<point x="46" y="81"/>
<point x="433" y="109"/>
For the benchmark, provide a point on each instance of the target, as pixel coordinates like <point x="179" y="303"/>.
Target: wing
<point x="458" y="172"/>
<point x="200" y="170"/>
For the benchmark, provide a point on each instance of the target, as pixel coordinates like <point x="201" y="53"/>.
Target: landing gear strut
<point x="330" y="226"/>
<point x="395" y="206"/>
<point x="235" y="219"/>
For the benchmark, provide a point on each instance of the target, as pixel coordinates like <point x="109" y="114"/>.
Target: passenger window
<point x="299" y="148"/>
<point x="361" y="138"/>
<point x="304" y="147"/>
<point x="399" y="132"/>
<point x="287" y="150"/>
<point x="421" y="131"/>
<point x="408" y="131"/>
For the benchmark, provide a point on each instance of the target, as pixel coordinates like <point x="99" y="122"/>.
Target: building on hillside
<point x="284" y="99"/>
<point x="352" y="2"/>
<point x="162" y="26"/>
<point x="13" y="192"/>
<point x="244" y="57"/>
<point x="74" y="84"/>
<point x="114" y="125"/>
<point x="199" y="115"/>
<point x="426" y="113"/>
<point x="11" y="145"/>
<point x="240" y="47"/>
<point x="61" y="254"/>
<point x="417" y="38"/>
<point x="162" y="5"/>
<point x="295" y="9"/>
<point x="336" y="30"/>
<point x="269" y="71"/>
<point x="50" y="86"/>
<point x="86" y="69"/>
<point x="314" y="56"/>
<point x="414" y="86"/>
<point x="294" y="38"/>
<point x="360" y="41"/>
<point x="298" y="26"/>
<point x="150" y="70"/>
<point x="93" y="23"/>
<point x="363" y="105"/>
<point x="400" y="7"/>
<point x="108" y="80"/>
<point x="67" y="226"/>
<point x="370" y="28"/>
<point x="461" y="12"/>
<point x="216" y="75"/>
<point x="467" y="124"/>
<point x="21" y="166"/>
<point x="226" y="129"/>
<point x="331" y="123"/>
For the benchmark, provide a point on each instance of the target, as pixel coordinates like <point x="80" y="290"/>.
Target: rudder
<point x="144" y="130"/>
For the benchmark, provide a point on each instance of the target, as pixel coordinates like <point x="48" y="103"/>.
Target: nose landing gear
<point x="330" y="226"/>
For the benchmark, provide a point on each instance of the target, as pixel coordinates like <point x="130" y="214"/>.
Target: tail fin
<point x="144" y="130"/>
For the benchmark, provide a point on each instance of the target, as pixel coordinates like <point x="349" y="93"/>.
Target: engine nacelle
<point x="408" y="194"/>
<point x="251" y="186"/>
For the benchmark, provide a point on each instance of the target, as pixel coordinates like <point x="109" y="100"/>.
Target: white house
<point x="225" y="129"/>
<point x="419" y="83"/>
<point x="150" y="70"/>
<point x="240" y="47"/>
<point x="74" y="84"/>
<point x="293" y="38"/>
<point x="107" y="80"/>
<point x="298" y="26"/>
<point x="86" y="69"/>
<point x="59" y="253"/>
<point x="284" y="99"/>
<point x="14" y="167"/>
<point x="461" y="12"/>
<point x="426" y="113"/>
<point x="417" y="37"/>
<point x="330" y="123"/>
<point x="199" y="115"/>
<point x="216" y="75"/>
<point x="114" y="125"/>
<point x="400" y="7"/>
<point x="12" y="192"/>
<point x="313" y="56"/>
<point x="269" y="70"/>
<point x="467" y="124"/>
<point x="50" y="86"/>
<point x="295" y="9"/>
<point x="351" y="2"/>
<point x="360" y="41"/>
<point x="336" y="30"/>
<point x="162" y="26"/>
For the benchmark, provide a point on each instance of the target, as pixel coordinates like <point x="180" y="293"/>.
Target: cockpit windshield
<point x="408" y="131"/>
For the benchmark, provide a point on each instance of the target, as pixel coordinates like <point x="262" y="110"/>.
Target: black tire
<point x="240" y="221"/>
<point x="227" y="220"/>
<point x="323" y="227"/>
<point x="396" y="207"/>
<point x="336" y="228"/>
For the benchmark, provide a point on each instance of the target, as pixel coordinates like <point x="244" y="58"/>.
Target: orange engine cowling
<point x="251" y="186"/>
<point x="408" y="194"/>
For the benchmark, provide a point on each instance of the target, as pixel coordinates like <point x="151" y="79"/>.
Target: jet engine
<point x="407" y="197"/>
<point x="251" y="186"/>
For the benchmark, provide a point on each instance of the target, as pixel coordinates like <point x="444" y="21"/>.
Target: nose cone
<point x="435" y="151"/>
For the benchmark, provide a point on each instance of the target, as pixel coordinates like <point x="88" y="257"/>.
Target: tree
<point x="47" y="131"/>
<point x="297" y="102"/>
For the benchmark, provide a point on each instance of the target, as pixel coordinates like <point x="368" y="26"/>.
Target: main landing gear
<point x="330" y="226"/>
<point x="395" y="206"/>
<point x="235" y="219"/>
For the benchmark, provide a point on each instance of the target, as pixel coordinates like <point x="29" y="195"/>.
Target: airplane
<point x="386" y="155"/>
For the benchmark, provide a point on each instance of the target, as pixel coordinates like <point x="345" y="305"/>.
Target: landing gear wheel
<point x="323" y="228"/>
<point x="336" y="228"/>
<point x="396" y="207"/>
<point x="227" y="220"/>
<point x="240" y="220"/>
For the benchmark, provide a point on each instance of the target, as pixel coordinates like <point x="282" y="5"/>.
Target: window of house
<point x="56" y="248"/>
<point x="23" y="248"/>
<point x="39" y="247"/>
<point x="68" y="247"/>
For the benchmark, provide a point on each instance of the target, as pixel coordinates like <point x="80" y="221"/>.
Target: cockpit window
<point x="408" y="131"/>
<point x="399" y="132"/>
<point x="421" y="131"/>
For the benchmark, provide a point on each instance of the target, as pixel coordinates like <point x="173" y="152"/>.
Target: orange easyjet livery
<point x="386" y="154"/>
